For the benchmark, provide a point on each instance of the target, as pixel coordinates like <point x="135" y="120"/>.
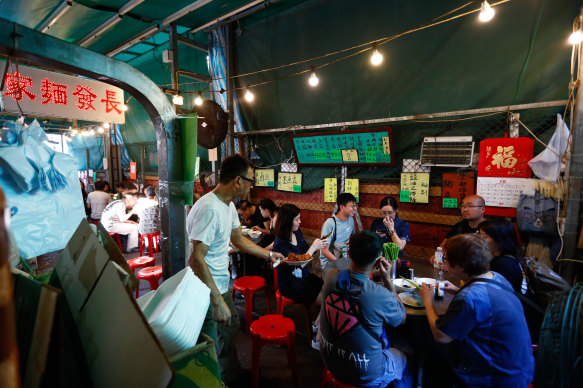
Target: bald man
<point x="472" y="207"/>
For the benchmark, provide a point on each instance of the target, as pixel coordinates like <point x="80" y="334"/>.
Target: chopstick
<point x="409" y="281"/>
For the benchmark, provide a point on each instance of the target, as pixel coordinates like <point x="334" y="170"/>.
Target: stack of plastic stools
<point x="116" y="238"/>
<point x="248" y="285"/>
<point x="140" y="262"/>
<point x="282" y="301"/>
<point x="329" y="379"/>
<point x="153" y="240"/>
<point x="273" y="329"/>
<point x="152" y="275"/>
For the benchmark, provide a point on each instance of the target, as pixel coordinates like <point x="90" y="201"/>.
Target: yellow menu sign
<point x="386" y="147"/>
<point x="287" y="181"/>
<point x="264" y="178"/>
<point x="414" y="187"/>
<point x="351" y="186"/>
<point x="349" y="155"/>
<point x="330" y="189"/>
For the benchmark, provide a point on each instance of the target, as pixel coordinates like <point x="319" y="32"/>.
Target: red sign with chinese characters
<point x="458" y="185"/>
<point x="43" y="93"/>
<point x="506" y="157"/>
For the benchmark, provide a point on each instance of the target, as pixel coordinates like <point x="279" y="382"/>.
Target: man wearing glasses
<point x="472" y="209"/>
<point x="211" y="224"/>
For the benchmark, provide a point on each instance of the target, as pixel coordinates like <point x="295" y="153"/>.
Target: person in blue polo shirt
<point x="391" y="228"/>
<point x="484" y="325"/>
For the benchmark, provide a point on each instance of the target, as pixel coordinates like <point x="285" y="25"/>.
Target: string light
<point x="249" y="96"/>
<point x="313" y="81"/>
<point x="125" y="108"/>
<point x="376" y="57"/>
<point x="198" y="99"/>
<point x="91" y="132"/>
<point x="486" y="12"/>
<point x="106" y="125"/>
<point x="75" y="132"/>
<point x="177" y="99"/>
<point x="100" y="129"/>
<point x="204" y="124"/>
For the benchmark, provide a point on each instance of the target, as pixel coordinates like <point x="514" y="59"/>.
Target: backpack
<point x="542" y="281"/>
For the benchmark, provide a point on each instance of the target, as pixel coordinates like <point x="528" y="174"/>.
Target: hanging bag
<point x="536" y="215"/>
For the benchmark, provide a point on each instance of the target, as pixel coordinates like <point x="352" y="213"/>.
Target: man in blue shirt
<point x="341" y="227"/>
<point x="484" y="324"/>
<point x="352" y="319"/>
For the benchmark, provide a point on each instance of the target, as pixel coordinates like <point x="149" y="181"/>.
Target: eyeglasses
<point x="388" y="213"/>
<point x="247" y="179"/>
<point x="469" y="205"/>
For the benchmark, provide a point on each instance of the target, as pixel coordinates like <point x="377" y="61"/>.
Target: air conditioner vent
<point x="447" y="151"/>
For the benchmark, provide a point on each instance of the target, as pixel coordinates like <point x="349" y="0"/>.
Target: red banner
<point x="458" y="186"/>
<point x="506" y="157"/>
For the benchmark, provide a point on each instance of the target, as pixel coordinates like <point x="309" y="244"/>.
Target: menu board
<point x="288" y="181"/>
<point x="502" y="192"/>
<point x="456" y="187"/>
<point x="330" y="189"/>
<point x="351" y="186"/>
<point x="363" y="147"/>
<point x="414" y="187"/>
<point x="265" y="178"/>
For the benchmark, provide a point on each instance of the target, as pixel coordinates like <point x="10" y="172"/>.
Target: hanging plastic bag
<point x="42" y="187"/>
<point x="547" y="164"/>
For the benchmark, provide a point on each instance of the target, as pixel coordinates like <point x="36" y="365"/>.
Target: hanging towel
<point x="547" y="164"/>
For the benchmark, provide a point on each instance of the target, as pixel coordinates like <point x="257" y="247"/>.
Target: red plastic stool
<point x="282" y="301"/>
<point x="140" y="262"/>
<point x="151" y="274"/>
<point x="153" y="238"/>
<point x="116" y="238"/>
<point x="273" y="329"/>
<point x="329" y="379"/>
<point x="248" y="285"/>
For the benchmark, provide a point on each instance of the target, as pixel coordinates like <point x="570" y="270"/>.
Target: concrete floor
<point x="274" y="371"/>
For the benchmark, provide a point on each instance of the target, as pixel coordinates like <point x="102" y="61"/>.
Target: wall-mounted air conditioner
<point x="447" y="151"/>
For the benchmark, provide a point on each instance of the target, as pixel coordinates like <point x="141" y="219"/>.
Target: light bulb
<point x="198" y="100"/>
<point x="204" y="124"/>
<point x="576" y="37"/>
<point x="313" y="81"/>
<point x="486" y="12"/>
<point x="177" y="99"/>
<point x="125" y="108"/>
<point x="91" y="132"/>
<point x="106" y="125"/>
<point x="249" y="96"/>
<point x="376" y="57"/>
<point x="100" y="129"/>
<point x="75" y="131"/>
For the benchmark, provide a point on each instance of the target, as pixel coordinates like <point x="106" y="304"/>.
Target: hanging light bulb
<point x="91" y="132"/>
<point x="204" y="124"/>
<point x="106" y="125"/>
<point x="486" y="12"/>
<point x="576" y="37"/>
<point x="313" y="81"/>
<point x="198" y="99"/>
<point x="100" y="129"/>
<point x="249" y="96"/>
<point x="177" y="99"/>
<point x="376" y="57"/>
<point x="75" y="132"/>
<point x="125" y="108"/>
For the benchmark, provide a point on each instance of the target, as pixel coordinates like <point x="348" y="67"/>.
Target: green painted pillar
<point x="188" y="124"/>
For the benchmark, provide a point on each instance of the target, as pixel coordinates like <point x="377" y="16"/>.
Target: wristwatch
<point x="270" y="254"/>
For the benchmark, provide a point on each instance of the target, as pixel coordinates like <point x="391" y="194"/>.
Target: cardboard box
<point x="197" y="366"/>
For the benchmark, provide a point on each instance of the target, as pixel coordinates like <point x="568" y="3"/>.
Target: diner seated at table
<point x="115" y="220"/>
<point x="391" y="228"/>
<point x="472" y="209"/>
<point x="501" y="237"/>
<point x="249" y="214"/>
<point x="295" y="282"/>
<point x="339" y="227"/>
<point x="484" y="326"/>
<point x="268" y="210"/>
<point x="355" y="310"/>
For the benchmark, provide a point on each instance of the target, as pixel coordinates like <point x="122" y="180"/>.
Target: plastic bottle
<point x="438" y="265"/>
<point x="438" y="262"/>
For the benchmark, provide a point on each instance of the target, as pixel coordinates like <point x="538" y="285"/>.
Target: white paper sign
<point x="44" y="93"/>
<point x="213" y="155"/>
<point x="502" y="192"/>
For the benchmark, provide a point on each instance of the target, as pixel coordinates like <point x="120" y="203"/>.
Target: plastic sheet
<point x="42" y="190"/>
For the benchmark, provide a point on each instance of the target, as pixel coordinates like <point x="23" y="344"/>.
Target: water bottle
<point x="438" y="262"/>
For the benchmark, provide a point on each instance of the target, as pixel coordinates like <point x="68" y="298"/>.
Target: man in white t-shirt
<point x="98" y="200"/>
<point x="115" y="220"/>
<point x="211" y="224"/>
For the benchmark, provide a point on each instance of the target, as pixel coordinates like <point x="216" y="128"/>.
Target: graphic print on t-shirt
<point x="342" y="313"/>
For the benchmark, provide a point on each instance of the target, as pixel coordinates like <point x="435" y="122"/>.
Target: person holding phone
<point x="391" y="228"/>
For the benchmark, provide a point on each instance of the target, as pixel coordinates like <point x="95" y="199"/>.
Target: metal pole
<point x="230" y="92"/>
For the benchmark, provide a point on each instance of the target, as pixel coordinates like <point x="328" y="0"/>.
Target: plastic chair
<point x="273" y="329"/>
<point x="153" y="239"/>
<point x="152" y="275"/>
<point x="116" y="238"/>
<point x="248" y="285"/>
<point x="282" y="301"/>
<point x="329" y="379"/>
<point x="140" y="262"/>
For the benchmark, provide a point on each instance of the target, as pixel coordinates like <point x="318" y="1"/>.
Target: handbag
<point x="537" y="215"/>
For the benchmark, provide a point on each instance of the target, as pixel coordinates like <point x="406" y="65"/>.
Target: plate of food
<point x="293" y="259"/>
<point x="403" y="285"/>
<point x="412" y="299"/>
<point x="254" y="233"/>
